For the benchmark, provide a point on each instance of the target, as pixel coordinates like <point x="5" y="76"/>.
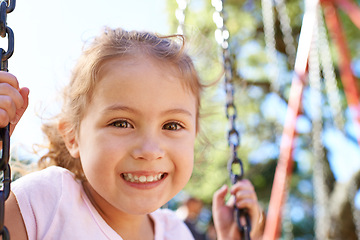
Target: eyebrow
<point x="119" y="107"/>
<point x="178" y="111"/>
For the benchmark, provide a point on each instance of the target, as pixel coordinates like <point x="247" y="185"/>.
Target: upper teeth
<point x="135" y="178"/>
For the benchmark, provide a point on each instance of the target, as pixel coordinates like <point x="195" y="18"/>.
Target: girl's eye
<point x="121" y="124"/>
<point x="172" y="126"/>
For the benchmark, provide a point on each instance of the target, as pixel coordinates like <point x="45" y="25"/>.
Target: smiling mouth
<point x="141" y="178"/>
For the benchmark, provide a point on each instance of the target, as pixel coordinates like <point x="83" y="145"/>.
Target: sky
<point x="49" y="35"/>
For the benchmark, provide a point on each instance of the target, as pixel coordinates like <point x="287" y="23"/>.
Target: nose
<point x="148" y="148"/>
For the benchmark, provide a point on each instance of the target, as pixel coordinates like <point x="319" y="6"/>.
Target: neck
<point x="137" y="227"/>
<point x="128" y="226"/>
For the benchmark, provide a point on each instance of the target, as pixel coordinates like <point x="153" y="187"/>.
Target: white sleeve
<point x="38" y="195"/>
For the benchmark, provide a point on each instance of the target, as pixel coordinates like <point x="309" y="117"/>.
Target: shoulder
<point x="49" y="180"/>
<point x="43" y="187"/>
<point x="39" y="195"/>
<point x="168" y="224"/>
<point x="44" y="176"/>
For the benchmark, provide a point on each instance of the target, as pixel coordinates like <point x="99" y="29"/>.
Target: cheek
<point x="189" y="169"/>
<point x="99" y="164"/>
<point x="99" y="153"/>
<point x="184" y="176"/>
<point x="185" y="161"/>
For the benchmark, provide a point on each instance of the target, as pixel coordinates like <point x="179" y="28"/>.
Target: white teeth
<point x="143" y="179"/>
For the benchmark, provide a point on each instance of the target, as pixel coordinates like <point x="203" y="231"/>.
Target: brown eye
<point x="122" y="124"/>
<point x="172" y="126"/>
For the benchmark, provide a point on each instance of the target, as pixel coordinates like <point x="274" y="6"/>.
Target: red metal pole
<point x="352" y="10"/>
<point x="346" y="74"/>
<point x="285" y="163"/>
<point x="284" y="167"/>
<point x="348" y="6"/>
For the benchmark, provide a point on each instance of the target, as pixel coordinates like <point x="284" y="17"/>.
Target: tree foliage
<point x="261" y="115"/>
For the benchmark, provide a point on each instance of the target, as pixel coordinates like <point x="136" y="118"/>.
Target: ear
<point x="70" y="139"/>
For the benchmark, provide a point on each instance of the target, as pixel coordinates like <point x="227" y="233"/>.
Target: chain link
<point x="335" y="106"/>
<point x="329" y="74"/>
<point x="235" y="166"/>
<point x="320" y="193"/>
<point x="269" y="34"/>
<point x="180" y="15"/>
<point x="285" y="27"/>
<point x="6" y="6"/>
<point x="270" y="42"/>
<point x="353" y="189"/>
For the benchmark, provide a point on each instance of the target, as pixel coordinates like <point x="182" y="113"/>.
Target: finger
<point x="244" y="184"/>
<point x="246" y="203"/>
<point x="6" y="77"/>
<point x="8" y="110"/>
<point x="24" y="92"/>
<point x="8" y="90"/>
<point x="11" y="101"/>
<point x="219" y="197"/>
<point x="231" y="201"/>
<point x="253" y="208"/>
<point x="245" y="194"/>
<point x="4" y="118"/>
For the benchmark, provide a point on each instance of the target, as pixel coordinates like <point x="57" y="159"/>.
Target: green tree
<point x="260" y="120"/>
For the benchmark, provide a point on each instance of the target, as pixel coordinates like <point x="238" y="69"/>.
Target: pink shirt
<point x="54" y="206"/>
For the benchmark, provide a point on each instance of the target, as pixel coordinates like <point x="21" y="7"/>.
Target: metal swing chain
<point x="235" y="166"/>
<point x="321" y="194"/>
<point x="6" y="6"/>
<point x="331" y="87"/>
<point x="286" y="30"/>
<point x="269" y="34"/>
<point x="353" y="189"/>
<point x="332" y="92"/>
<point x="180" y="15"/>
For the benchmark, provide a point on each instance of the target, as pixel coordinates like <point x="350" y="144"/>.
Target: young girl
<point x="122" y="147"/>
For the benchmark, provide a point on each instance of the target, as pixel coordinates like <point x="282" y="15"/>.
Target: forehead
<point x="166" y="67"/>
<point x="142" y="62"/>
<point x="137" y="74"/>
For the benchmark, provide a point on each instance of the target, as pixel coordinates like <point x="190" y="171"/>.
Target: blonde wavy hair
<point x="111" y="44"/>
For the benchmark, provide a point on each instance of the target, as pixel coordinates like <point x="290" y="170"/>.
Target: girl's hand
<point x="243" y="196"/>
<point x="13" y="100"/>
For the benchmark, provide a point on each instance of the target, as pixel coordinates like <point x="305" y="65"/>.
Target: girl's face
<point x="136" y="140"/>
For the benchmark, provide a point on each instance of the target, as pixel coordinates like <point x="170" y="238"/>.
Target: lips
<point x="134" y="178"/>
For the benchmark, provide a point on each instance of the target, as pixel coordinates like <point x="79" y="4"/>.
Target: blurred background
<point x="264" y="36"/>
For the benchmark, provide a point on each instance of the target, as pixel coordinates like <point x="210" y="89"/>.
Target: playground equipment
<point x="5" y="31"/>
